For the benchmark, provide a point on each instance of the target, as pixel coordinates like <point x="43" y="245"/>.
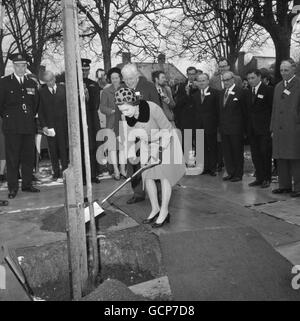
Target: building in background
<point x="247" y="61"/>
<point x="173" y="74"/>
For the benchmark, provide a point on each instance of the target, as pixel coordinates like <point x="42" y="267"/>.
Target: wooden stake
<point x="93" y="234"/>
<point x="73" y="176"/>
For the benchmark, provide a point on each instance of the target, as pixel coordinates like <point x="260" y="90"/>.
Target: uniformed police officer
<point x="92" y="100"/>
<point x="18" y="107"/>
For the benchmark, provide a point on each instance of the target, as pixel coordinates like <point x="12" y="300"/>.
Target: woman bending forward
<point x="158" y="141"/>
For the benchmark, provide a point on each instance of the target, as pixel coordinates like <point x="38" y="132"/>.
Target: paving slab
<point x="291" y="252"/>
<point x="288" y="210"/>
<point x="238" y="192"/>
<point x="54" y="197"/>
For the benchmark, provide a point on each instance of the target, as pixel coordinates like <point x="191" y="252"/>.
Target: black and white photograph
<point x="149" y="153"/>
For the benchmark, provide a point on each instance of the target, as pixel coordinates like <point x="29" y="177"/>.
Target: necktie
<point x="285" y="84"/>
<point x="253" y="95"/>
<point x="21" y="81"/>
<point x="202" y="96"/>
<point x="222" y="83"/>
<point x="53" y="91"/>
<point x="226" y="96"/>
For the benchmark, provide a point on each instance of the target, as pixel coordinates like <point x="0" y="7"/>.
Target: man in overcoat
<point x="53" y="116"/>
<point x="285" y="128"/>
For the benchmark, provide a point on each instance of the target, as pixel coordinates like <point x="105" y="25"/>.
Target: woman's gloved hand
<point x="155" y="153"/>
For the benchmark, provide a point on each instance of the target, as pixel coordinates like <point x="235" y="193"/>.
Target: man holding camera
<point x="184" y="109"/>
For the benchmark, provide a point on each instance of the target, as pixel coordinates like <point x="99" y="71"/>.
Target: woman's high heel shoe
<point x="123" y="176"/>
<point x="150" y="220"/>
<point x="167" y="220"/>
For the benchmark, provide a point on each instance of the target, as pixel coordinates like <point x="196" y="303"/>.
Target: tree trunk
<point x="2" y="65"/>
<point x="282" y="43"/>
<point x="106" y="51"/>
<point x="2" y="62"/>
<point x="232" y="57"/>
<point x="34" y="67"/>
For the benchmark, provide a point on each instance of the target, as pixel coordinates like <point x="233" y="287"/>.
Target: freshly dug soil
<point x="55" y="220"/>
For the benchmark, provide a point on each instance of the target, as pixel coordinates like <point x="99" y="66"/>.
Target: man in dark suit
<point x="206" y="104"/>
<point x="92" y="101"/>
<point x="145" y="90"/>
<point x="53" y="117"/>
<point x="232" y="125"/>
<point x="259" y="110"/>
<point x="217" y="82"/>
<point x="18" y="106"/>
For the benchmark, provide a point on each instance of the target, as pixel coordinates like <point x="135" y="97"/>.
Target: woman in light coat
<point x="147" y="122"/>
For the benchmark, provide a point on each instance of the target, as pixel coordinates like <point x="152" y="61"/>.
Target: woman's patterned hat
<point x="125" y="95"/>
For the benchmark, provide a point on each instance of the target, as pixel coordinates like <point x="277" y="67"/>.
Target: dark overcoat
<point x="53" y="111"/>
<point x="285" y="120"/>
<point x="92" y="107"/>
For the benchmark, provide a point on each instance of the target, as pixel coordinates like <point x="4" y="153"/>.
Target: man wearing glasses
<point x="232" y="126"/>
<point x="285" y="128"/>
<point x="217" y="82"/>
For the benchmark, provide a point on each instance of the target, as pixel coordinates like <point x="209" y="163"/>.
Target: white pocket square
<point x="235" y="99"/>
<point x="260" y="96"/>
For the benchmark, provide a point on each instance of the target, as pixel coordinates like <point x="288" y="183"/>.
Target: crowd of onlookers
<point x="231" y="110"/>
<point x="254" y="110"/>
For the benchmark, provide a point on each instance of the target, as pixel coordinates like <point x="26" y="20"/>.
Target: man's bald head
<point x="130" y="75"/>
<point x="287" y="69"/>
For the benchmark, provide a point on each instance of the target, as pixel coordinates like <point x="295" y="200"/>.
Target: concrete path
<point x="198" y="202"/>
